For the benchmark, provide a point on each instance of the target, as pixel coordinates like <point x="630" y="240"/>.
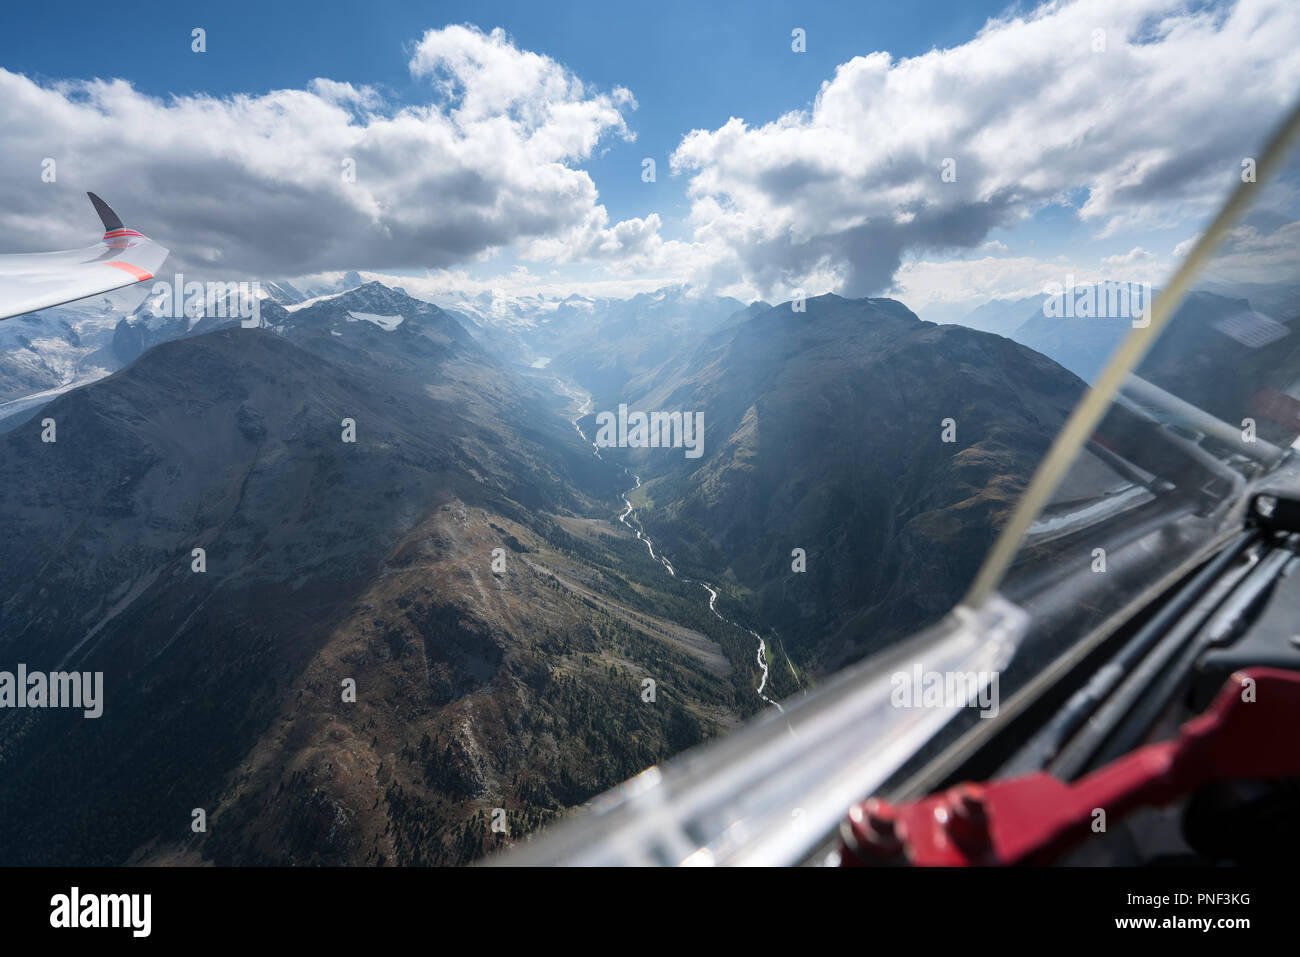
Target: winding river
<point x="629" y="519"/>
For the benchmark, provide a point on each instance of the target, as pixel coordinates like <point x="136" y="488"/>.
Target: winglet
<point x="110" y="219"/>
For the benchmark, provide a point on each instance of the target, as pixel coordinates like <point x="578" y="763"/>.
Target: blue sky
<point x="1070" y="158"/>
<point x="690" y="64"/>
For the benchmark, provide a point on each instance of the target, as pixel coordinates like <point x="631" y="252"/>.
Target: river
<point x="629" y="519"/>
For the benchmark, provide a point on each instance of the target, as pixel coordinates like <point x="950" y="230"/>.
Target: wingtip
<point x="109" y="218"/>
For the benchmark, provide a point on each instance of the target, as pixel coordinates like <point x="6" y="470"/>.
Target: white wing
<point x="31" y="281"/>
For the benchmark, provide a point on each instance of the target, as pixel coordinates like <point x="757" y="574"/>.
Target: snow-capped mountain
<point x="44" y="354"/>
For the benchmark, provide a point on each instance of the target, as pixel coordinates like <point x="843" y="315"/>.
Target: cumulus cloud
<point x="1255" y="253"/>
<point x="1137" y="112"/>
<point x="1137" y="256"/>
<point x="923" y="284"/>
<point x="259" y="185"/>
<point x="1134" y="113"/>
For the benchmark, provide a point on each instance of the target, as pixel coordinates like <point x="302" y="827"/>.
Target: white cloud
<point x="255" y="184"/>
<point x="846" y="196"/>
<point x="1152" y="130"/>
<point x="923" y="283"/>
<point x="1251" y="253"/>
<point x="1136" y="256"/>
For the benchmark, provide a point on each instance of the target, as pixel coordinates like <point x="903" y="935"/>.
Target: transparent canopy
<point x="1196" y="406"/>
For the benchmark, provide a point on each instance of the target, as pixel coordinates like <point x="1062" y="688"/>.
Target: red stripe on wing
<point x="139" y="274"/>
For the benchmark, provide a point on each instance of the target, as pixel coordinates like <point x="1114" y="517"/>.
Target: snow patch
<point x="311" y="302"/>
<point x="387" y="323"/>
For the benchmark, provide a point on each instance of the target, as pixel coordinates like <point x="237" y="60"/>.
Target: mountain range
<point x="393" y="501"/>
<point x="327" y="560"/>
<point x="825" y="431"/>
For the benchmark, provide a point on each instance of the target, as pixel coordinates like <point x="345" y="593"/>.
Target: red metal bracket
<point x="1248" y="732"/>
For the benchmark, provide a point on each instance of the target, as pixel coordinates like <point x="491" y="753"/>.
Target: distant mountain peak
<point x="832" y="304"/>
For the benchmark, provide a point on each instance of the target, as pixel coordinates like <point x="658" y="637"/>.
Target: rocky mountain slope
<point x="422" y="644"/>
<point x="825" y="431"/>
<point x="477" y="687"/>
